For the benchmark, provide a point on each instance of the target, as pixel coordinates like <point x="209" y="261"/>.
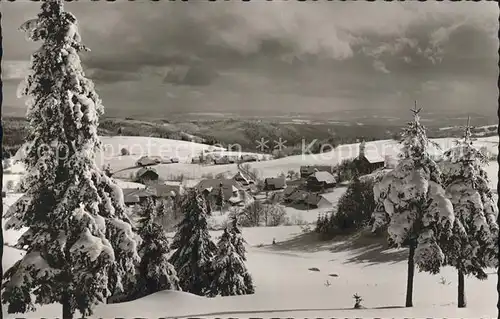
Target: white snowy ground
<point x="285" y="286"/>
<point x="140" y="146"/>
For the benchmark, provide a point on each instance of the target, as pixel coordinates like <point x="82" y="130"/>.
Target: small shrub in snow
<point x="124" y="152"/>
<point x="292" y="175"/>
<point x="357" y="301"/>
<point x="276" y="215"/>
<point x="257" y="213"/>
<point x="10" y="185"/>
<point x="252" y="214"/>
<point x="194" y="248"/>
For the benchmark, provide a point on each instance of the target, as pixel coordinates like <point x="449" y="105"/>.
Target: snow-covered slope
<point x="140" y="146"/>
<point x="285" y="286"/>
<point x="274" y="167"/>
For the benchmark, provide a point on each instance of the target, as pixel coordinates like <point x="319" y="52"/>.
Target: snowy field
<point x="138" y="146"/>
<point x="284" y="284"/>
<point x="272" y="168"/>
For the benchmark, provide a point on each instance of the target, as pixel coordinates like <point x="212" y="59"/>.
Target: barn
<point x="243" y="179"/>
<point x="147" y="176"/>
<point x="134" y="196"/>
<point x="148" y="161"/>
<point x="320" y="181"/>
<point x="317" y="201"/>
<point x="307" y="170"/>
<point x="231" y="189"/>
<point x="276" y="183"/>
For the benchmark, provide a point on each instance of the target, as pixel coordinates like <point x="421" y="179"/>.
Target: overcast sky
<point x="285" y="56"/>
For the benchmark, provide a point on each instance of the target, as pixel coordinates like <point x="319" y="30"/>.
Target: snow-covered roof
<point x="242" y="177"/>
<point x="323" y="176"/>
<point x="297" y="195"/>
<point x="132" y="195"/>
<point x="229" y="186"/>
<point x="289" y="190"/>
<point x="374" y="157"/>
<point x="315" y="199"/>
<point x="163" y="190"/>
<point x="145" y="170"/>
<point x="277" y="182"/>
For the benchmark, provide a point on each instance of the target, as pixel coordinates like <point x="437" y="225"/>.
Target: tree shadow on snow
<point x="264" y="311"/>
<point x="363" y="247"/>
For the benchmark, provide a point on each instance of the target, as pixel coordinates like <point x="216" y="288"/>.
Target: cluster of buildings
<point x="236" y="190"/>
<point x="313" y="189"/>
<point x="316" y="185"/>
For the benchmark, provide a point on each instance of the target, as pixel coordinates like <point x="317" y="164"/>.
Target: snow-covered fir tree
<point x="219" y="201"/>
<point x="155" y="273"/>
<point x="194" y="247"/>
<point x="79" y="242"/>
<point x="237" y="238"/>
<point x="230" y="276"/>
<point x="412" y="204"/>
<point x="473" y="244"/>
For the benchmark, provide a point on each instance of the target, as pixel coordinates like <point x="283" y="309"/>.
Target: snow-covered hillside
<point x="285" y="286"/>
<point x="140" y="146"/>
<point x="272" y="168"/>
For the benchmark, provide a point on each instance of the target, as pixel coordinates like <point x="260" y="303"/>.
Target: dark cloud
<point x="298" y="55"/>
<point x="190" y="75"/>
<point x="106" y="76"/>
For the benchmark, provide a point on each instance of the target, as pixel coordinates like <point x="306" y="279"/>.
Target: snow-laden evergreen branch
<point x="411" y="201"/>
<point x="80" y="245"/>
<point x="194" y="248"/>
<point x="473" y="246"/>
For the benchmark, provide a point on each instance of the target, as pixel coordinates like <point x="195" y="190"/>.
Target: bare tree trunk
<point x="265" y="215"/>
<point x="462" y="303"/>
<point x="411" y="273"/>
<point x="66" y="308"/>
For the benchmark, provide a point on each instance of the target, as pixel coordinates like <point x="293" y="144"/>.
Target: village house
<point x="148" y="161"/>
<point x="274" y="183"/>
<point x="307" y="170"/>
<point x="289" y="190"/>
<point x="137" y="196"/>
<point x="223" y="160"/>
<point x="249" y="158"/>
<point x="232" y="191"/>
<point x="243" y="179"/>
<point x="317" y="201"/>
<point x="295" y="195"/>
<point x="168" y="189"/>
<point x="146" y="176"/>
<point x="320" y="181"/>
<point x="368" y="161"/>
